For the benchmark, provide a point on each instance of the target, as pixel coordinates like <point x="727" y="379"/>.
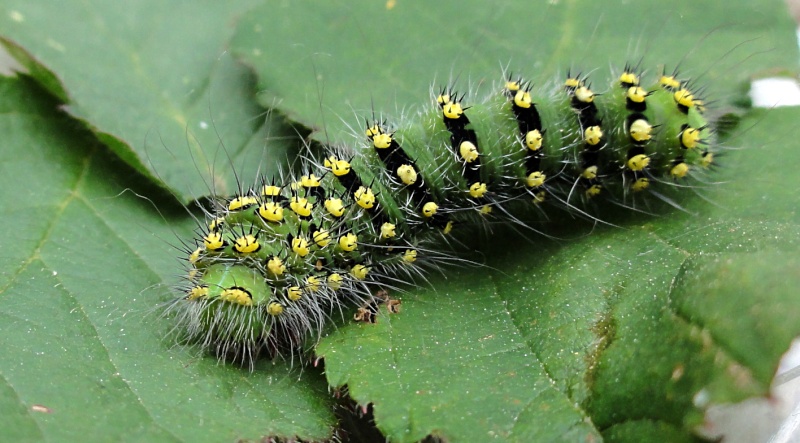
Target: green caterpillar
<point x="274" y="263"/>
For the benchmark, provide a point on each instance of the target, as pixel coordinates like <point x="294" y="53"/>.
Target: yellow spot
<point x="216" y="223"/>
<point x="636" y="94"/>
<point x="523" y="99"/>
<point x="321" y="237"/>
<point x="707" y="160"/>
<point x="359" y="272"/>
<point x="410" y="256"/>
<point x="669" y="82"/>
<point x="536" y="179"/>
<point x="364" y="197"/>
<point x="429" y="209"/>
<point x="640" y="184"/>
<point x="679" y="170"/>
<point x="382" y="141"/>
<point x="388" y="230"/>
<point x="477" y="190"/>
<point x="194" y="256"/>
<point x="407" y="174"/>
<point x="242" y="202"/>
<point x="453" y="111"/>
<point x="485" y="210"/>
<point x="640" y="130"/>
<point x="690" y="137"/>
<point x="271" y="211"/>
<point x="373" y="130"/>
<point x="448" y="228"/>
<point x="246" y="244"/>
<point x="590" y="173"/>
<point x="313" y="284"/>
<point x="309" y="181"/>
<point x="684" y="98"/>
<point x="198" y="292"/>
<point x="213" y="241"/>
<point x="301" y="206"/>
<point x="274" y="309"/>
<point x="638" y="162"/>
<point x="338" y="167"/>
<point x="594" y="190"/>
<point x="348" y="242"/>
<point x="572" y="82"/>
<point x="270" y="191"/>
<point x="334" y="206"/>
<point x="584" y="94"/>
<point x="629" y="78"/>
<point x="236" y="295"/>
<point x="513" y="86"/>
<point x="300" y="246"/>
<point x="294" y="293"/>
<point x="538" y="198"/>
<point x="468" y="151"/>
<point x="443" y="99"/>
<point x="275" y="266"/>
<point x="533" y="140"/>
<point x="335" y="281"/>
<point x="592" y="135"/>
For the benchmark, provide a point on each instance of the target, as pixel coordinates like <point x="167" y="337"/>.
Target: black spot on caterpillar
<point x="272" y="264"/>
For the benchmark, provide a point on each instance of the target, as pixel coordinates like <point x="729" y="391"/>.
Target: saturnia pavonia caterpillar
<point x="270" y="265"/>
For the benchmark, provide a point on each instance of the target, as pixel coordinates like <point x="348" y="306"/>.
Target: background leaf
<point x="620" y="333"/>
<point x="154" y="83"/>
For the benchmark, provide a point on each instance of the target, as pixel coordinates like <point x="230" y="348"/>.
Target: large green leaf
<point x="623" y="333"/>
<point x="153" y="81"/>
<point x="85" y="267"/>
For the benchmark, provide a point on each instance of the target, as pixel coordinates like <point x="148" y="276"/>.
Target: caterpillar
<point x="271" y="265"/>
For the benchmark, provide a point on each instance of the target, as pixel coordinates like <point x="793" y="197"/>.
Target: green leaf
<point x="624" y="332"/>
<point x="350" y="59"/>
<point x="85" y="268"/>
<point x="153" y="81"/>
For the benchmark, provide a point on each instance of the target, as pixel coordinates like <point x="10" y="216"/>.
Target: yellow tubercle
<point x="468" y="151"/>
<point x="348" y="242"/>
<point x="407" y="174"/>
<point x="301" y="206"/>
<point x="335" y="207"/>
<point x="271" y="211"/>
<point x="536" y="179"/>
<point x="533" y="140"/>
<point x="242" y="202"/>
<point x="364" y="197"/>
<point x="477" y="190"/>
<point x="388" y="230"/>
<point x="198" y="292"/>
<point x="359" y="272"/>
<point x="237" y="295"/>
<point x="300" y="246"/>
<point x="429" y="209"/>
<point x="641" y="130"/>
<point x="638" y="162"/>
<point x="679" y="170"/>
<point x="523" y="99"/>
<point x="593" y="135"/>
<point x="246" y="244"/>
<point x="274" y="309"/>
<point x="452" y="111"/>
<point x="275" y="266"/>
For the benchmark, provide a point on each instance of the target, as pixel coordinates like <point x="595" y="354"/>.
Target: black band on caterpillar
<point x="273" y="263"/>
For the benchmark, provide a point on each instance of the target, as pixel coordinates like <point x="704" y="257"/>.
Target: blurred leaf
<point x="626" y="333"/>
<point x="153" y="81"/>
<point x="87" y="266"/>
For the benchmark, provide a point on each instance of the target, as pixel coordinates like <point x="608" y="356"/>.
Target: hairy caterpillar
<point x="272" y="264"/>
